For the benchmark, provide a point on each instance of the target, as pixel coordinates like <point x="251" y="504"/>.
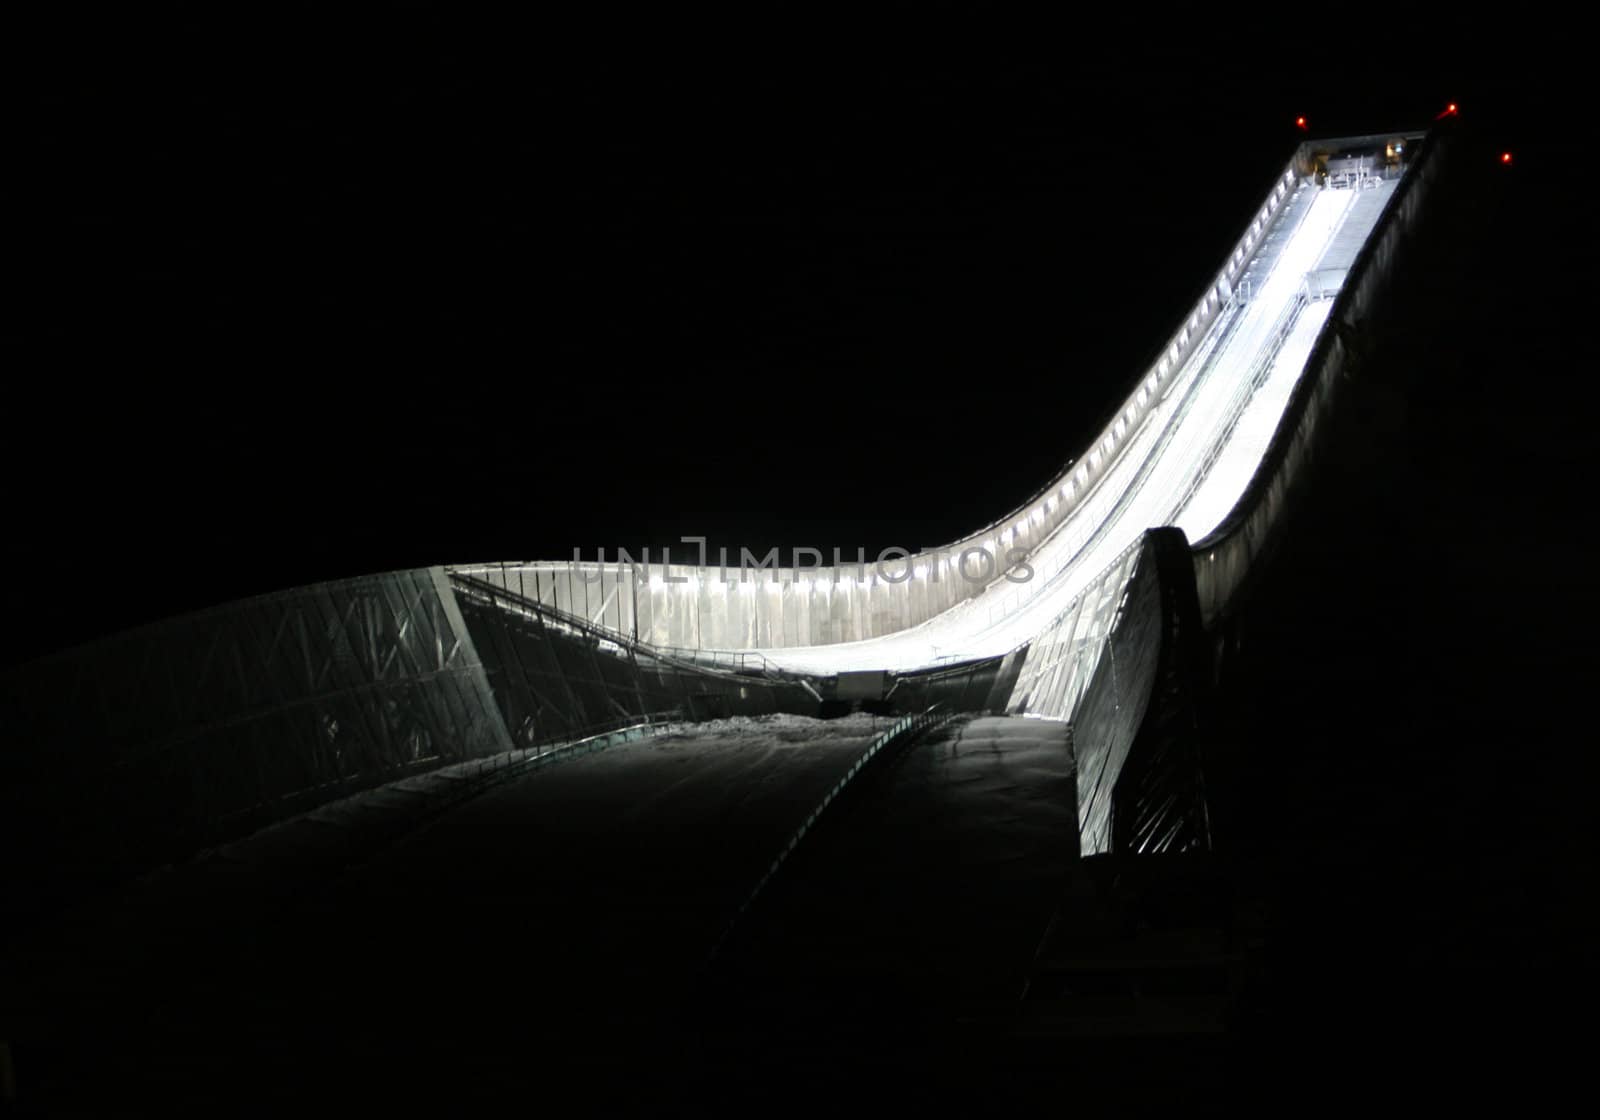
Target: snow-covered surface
<point x="572" y="908"/>
<point x="1247" y="443"/>
<point x="1187" y="466"/>
<point x="946" y="874"/>
<point x="701" y="806"/>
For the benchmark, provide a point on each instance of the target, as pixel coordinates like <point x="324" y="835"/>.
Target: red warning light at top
<point x="1505" y="159"/>
<point x="1450" y="110"/>
<point x="1300" y="123"/>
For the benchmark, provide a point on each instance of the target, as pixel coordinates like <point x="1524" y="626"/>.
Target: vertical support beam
<point x="487" y="702"/>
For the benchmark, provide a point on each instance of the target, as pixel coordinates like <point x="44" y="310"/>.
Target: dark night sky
<point x="317" y="301"/>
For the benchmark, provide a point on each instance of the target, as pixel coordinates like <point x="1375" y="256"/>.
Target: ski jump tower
<point x="1098" y="601"/>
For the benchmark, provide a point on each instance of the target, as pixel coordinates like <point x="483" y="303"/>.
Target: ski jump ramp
<point x="1097" y="602"/>
<point x="1042" y="583"/>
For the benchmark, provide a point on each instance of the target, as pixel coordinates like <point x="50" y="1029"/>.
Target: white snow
<point x="1187" y="466"/>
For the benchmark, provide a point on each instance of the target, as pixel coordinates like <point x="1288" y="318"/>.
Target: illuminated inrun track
<point x="1186" y="465"/>
<point x="1045" y="581"/>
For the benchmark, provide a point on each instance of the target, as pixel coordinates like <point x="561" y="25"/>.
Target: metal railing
<point x="596" y="737"/>
<point x="1248" y="386"/>
<point x="724" y="662"/>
